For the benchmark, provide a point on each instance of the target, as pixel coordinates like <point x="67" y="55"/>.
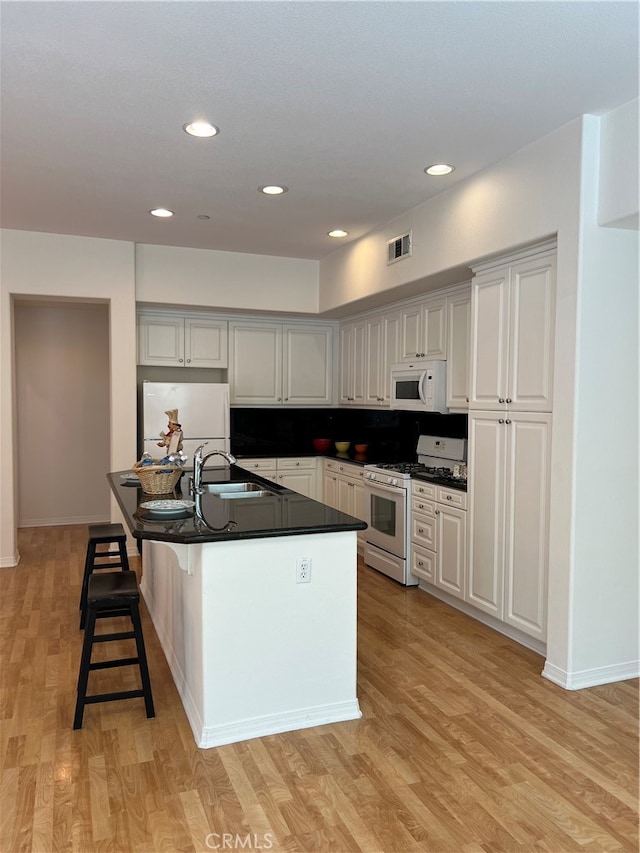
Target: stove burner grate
<point x="415" y="468"/>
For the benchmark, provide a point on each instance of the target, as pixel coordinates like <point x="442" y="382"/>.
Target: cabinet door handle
<point x="501" y="399"/>
<point x="279" y="399"/>
<point x="420" y="530"/>
<point x="420" y="563"/>
<point x="437" y="512"/>
<point x="180" y="360"/>
<point x="509" y="400"/>
<point x="507" y="421"/>
<point x="500" y="420"/>
<point x="286" y="399"/>
<point x="467" y="399"/>
<point x="449" y="498"/>
<point x="188" y="361"/>
<point x="420" y="506"/>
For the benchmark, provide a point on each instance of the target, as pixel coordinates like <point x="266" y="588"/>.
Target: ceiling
<point x="343" y="102"/>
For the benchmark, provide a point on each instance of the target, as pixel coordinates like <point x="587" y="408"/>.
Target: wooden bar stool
<point x="103" y="534"/>
<point x="110" y="593"/>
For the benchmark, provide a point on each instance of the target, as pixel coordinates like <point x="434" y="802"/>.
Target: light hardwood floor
<point x="463" y="746"/>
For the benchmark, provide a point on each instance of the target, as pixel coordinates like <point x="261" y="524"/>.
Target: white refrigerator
<point x="203" y="412"/>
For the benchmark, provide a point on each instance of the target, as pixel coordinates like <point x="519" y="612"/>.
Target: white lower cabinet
<point x="439" y="536"/>
<point x="452" y="549"/>
<point x="509" y="456"/>
<point x="299" y="473"/>
<point x="343" y="489"/>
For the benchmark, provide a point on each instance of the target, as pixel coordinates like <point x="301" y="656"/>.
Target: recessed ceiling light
<point x="439" y="169"/>
<point x="162" y="212"/>
<point x="273" y="189"/>
<point x="337" y="232"/>
<point x="200" y="128"/>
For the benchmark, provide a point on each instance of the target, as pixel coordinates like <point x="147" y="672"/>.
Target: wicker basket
<point x="158" y="479"/>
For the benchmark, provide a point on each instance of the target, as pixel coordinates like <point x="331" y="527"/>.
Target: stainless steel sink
<point x="252" y="493"/>
<point x="236" y="490"/>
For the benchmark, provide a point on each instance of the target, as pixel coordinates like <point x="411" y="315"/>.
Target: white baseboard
<point x="9" y="562"/>
<point x="273" y="724"/>
<point x="591" y="677"/>
<point x="62" y="522"/>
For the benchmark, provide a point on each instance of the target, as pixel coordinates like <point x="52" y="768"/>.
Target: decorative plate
<point x="167" y="506"/>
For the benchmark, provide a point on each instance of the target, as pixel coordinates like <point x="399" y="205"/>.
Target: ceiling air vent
<point x="398" y="248"/>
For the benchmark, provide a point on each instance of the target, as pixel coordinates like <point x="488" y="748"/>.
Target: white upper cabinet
<point x="352" y="363"/>
<point x="374" y="362"/>
<point x="458" y="328"/>
<point x="411" y="342"/>
<point x="368" y="348"/>
<point x="255" y="363"/>
<point x="435" y="329"/>
<point x="280" y="364"/>
<point x="172" y="340"/>
<point x="308" y="364"/>
<point x="512" y="334"/>
<point x="423" y="331"/>
<point x="392" y="327"/>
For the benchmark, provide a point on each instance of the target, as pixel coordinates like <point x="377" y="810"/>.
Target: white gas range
<point x="388" y="498"/>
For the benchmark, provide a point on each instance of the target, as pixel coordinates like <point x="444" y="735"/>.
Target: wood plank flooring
<point x="462" y="747"/>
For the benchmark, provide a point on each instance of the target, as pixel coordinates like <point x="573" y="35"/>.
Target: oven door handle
<point x="395" y="490"/>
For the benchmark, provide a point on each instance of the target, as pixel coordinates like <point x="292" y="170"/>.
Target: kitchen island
<point x="252" y="650"/>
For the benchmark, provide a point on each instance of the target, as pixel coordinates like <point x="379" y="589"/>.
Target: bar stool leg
<point x="142" y="659"/>
<point x="85" y="663"/>
<point x="89" y="560"/>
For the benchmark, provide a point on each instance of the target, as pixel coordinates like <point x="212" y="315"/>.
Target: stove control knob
<point x="394" y="481"/>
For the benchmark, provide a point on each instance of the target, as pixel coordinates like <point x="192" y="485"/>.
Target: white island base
<point x="251" y="651"/>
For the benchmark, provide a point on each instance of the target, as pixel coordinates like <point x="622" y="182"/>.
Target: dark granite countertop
<point x="213" y="519"/>
<point x="447" y="482"/>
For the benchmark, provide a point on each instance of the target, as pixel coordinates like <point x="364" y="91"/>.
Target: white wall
<point x="525" y="198"/>
<point x="619" y="187"/>
<point x="53" y="265"/>
<point x="62" y="402"/>
<point x="170" y="275"/>
<point x="606" y="559"/>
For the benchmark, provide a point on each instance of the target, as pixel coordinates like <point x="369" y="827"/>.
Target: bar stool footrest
<point x="110" y="697"/>
<point x="110" y="664"/>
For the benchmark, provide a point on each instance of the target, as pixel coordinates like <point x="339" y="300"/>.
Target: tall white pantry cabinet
<point x="510" y="401"/>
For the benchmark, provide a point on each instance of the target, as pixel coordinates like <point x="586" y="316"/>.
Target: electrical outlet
<point x="303" y="570"/>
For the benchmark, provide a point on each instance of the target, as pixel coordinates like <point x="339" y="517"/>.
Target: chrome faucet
<point x="198" y="465"/>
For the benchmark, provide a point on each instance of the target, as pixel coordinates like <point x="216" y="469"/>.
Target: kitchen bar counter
<point x="254" y="604"/>
<point x="282" y="513"/>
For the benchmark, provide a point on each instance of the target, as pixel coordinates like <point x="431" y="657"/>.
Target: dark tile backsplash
<point x="389" y="435"/>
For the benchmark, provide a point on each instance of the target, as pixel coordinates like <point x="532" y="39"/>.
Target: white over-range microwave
<point x="419" y="386"/>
